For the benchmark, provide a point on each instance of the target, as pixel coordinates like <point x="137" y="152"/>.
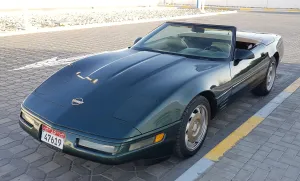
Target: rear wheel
<point x="266" y="86"/>
<point x="193" y="128"/>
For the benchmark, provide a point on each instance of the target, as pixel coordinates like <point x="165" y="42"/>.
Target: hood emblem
<point x="77" y="101"/>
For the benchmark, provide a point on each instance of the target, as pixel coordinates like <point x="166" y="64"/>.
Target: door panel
<point x="249" y="73"/>
<point x="222" y="90"/>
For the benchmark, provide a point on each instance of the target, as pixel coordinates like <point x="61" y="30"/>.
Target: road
<point x="23" y="158"/>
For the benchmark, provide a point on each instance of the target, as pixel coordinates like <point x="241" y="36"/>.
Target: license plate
<point x="53" y="137"/>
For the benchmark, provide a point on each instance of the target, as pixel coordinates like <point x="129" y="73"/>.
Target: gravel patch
<point x="14" y="21"/>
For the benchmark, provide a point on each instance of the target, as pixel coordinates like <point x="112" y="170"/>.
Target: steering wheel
<point x="214" y="49"/>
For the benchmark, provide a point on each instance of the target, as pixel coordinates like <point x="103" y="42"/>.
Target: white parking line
<point x="218" y="151"/>
<point x="52" y="62"/>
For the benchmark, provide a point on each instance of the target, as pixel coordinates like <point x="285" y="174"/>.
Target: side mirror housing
<point x="241" y="54"/>
<point x="137" y="40"/>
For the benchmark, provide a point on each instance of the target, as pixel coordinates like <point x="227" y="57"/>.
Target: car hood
<point x="106" y="82"/>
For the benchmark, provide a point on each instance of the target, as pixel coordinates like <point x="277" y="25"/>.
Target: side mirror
<point x="241" y="54"/>
<point x="137" y="40"/>
<point x="198" y="29"/>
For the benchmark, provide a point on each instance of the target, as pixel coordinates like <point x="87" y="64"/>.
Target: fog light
<point x="141" y="144"/>
<point x="97" y="146"/>
<point x="147" y="142"/>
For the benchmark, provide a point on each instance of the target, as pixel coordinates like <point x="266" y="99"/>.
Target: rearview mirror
<point x="198" y="29"/>
<point x="241" y="54"/>
<point x="137" y="40"/>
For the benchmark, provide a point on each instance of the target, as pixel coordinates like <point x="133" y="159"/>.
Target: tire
<point x="189" y="119"/>
<point x="266" y="86"/>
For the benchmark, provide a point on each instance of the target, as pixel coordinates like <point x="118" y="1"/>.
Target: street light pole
<point x="201" y="5"/>
<point x="25" y="16"/>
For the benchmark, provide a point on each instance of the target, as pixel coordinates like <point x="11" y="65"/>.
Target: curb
<point x="218" y="151"/>
<point x="256" y="9"/>
<point x="44" y="30"/>
<point x="225" y="8"/>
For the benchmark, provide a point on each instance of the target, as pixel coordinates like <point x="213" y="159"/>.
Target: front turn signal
<point x="159" y="137"/>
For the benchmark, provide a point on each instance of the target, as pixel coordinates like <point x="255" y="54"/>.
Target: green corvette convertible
<point x="153" y="99"/>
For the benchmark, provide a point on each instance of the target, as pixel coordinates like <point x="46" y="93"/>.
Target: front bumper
<point x="152" y="152"/>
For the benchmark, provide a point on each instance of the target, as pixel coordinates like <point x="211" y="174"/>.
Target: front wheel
<point x="193" y="128"/>
<point x="266" y="86"/>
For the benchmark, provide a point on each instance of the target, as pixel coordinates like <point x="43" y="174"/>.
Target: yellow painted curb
<point x="245" y="9"/>
<point x="187" y="7"/>
<point x="224" y="8"/>
<point x="269" y="9"/>
<point x="218" y="151"/>
<point x="293" y="87"/>
<point x="233" y="138"/>
<point x="294" y="10"/>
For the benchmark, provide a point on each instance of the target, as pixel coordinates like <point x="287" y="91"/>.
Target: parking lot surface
<point x="23" y="158"/>
<point x="271" y="150"/>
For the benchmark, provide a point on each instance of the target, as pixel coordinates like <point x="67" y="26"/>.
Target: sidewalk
<point x="271" y="151"/>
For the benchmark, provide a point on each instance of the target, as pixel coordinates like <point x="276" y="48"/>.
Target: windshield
<point x="189" y="40"/>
